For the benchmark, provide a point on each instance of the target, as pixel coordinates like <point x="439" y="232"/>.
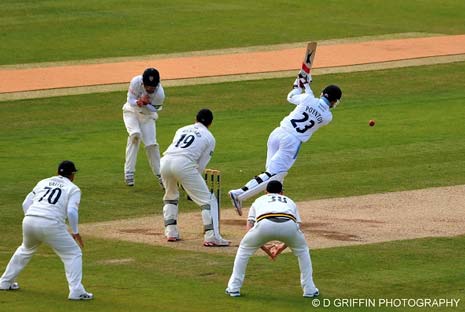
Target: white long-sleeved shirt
<point x="136" y="90"/>
<point x="55" y="198"/>
<point x="310" y="114"/>
<point x="194" y="142"/>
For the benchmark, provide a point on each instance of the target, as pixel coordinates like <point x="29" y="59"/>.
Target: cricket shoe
<point x="84" y="296"/>
<point x="212" y="241"/>
<point x="171" y="233"/>
<point x="232" y="293"/>
<point x="236" y="202"/>
<point x="312" y="295"/>
<point x="12" y="286"/>
<point x="173" y="238"/>
<point x="129" y="179"/>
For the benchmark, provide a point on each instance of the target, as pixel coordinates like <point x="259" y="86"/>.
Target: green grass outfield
<point x="417" y="143"/>
<point x="161" y="279"/>
<point x="46" y="30"/>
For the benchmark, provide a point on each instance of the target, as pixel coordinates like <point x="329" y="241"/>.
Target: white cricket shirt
<point x="50" y="198"/>
<point x="309" y="115"/>
<point x="136" y="90"/>
<point x="273" y="203"/>
<point x="194" y="142"/>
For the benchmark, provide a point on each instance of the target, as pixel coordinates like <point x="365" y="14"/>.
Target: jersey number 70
<point x="53" y="195"/>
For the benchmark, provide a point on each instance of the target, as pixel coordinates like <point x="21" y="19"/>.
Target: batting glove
<point x="304" y="78"/>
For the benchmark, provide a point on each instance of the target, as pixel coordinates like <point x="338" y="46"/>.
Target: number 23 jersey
<point x="309" y="115"/>
<point x="50" y="198"/>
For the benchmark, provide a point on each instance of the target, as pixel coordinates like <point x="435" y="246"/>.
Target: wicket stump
<point x="213" y="180"/>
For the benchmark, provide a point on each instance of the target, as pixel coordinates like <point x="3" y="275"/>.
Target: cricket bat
<point x="309" y="57"/>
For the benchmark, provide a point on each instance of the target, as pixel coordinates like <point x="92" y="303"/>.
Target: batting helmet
<point x="332" y="92"/>
<point x="151" y="77"/>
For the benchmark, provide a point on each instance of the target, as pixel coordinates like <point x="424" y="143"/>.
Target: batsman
<point x="309" y="115"/>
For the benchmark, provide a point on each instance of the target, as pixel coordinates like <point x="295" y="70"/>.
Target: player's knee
<point x="279" y="176"/>
<point x="135" y="138"/>
<point x="263" y="177"/>
<point x="152" y="146"/>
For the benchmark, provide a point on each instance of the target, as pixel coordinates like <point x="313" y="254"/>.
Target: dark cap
<point x="205" y="116"/>
<point x="66" y="168"/>
<point x="151" y="77"/>
<point x="274" y="187"/>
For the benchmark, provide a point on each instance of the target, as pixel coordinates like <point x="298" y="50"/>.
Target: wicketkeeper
<point x="273" y="217"/>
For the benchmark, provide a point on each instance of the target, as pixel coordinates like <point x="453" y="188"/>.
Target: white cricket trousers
<point x="181" y="169"/>
<point x="37" y="230"/>
<point x="139" y="127"/>
<point x="265" y="231"/>
<point x="283" y="148"/>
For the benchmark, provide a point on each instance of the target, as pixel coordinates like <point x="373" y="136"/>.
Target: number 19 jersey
<point x="194" y="142"/>
<point x="51" y="196"/>
<point x="309" y="115"/>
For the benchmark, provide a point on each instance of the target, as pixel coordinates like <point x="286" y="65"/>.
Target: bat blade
<point x="309" y="56"/>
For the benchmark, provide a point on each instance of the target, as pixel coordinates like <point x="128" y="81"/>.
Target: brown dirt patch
<point x="251" y="62"/>
<point x="327" y="223"/>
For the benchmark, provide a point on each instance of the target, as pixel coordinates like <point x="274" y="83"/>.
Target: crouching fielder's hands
<point x="268" y="251"/>
<point x="277" y="249"/>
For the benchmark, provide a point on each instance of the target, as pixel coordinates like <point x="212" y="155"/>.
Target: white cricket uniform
<point x="284" y="142"/>
<point x="46" y="209"/>
<point x="275" y="213"/>
<point x="184" y="162"/>
<point x="140" y="124"/>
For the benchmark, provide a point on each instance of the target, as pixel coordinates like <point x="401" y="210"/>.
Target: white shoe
<point x="171" y="233"/>
<point x="236" y="202"/>
<point x="212" y="241"/>
<point x="232" y="293"/>
<point x="312" y="295"/>
<point x="84" y="296"/>
<point x="129" y="179"/>
<point x="12" y="286"/>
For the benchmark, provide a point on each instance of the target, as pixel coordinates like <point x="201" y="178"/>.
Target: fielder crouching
<point x="46" y="208"/>
<point x="273" y="217"/>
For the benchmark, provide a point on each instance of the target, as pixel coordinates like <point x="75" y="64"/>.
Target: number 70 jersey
<point x="309" y="115"/>
<point x="50" y="198"/>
